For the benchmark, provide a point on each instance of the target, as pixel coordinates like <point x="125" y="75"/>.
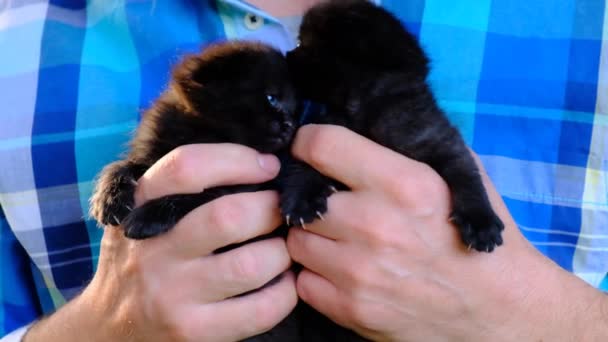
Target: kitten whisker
<point x="320" y="216"/>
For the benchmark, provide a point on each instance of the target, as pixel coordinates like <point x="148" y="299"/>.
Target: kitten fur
<point x="369" y="72"/>
<point x="360" y="62"/>
<point x="236" y="92"/>
<point x="218" y="96"/>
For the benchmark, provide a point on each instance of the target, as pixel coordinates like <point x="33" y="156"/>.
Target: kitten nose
<point x="275" y="126"/>
<point x="287" y="126"/>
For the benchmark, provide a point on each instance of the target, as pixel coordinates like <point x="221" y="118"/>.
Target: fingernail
<point x="269" y="162"/>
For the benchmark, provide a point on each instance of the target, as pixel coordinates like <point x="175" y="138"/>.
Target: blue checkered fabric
<point x="525" y="81"/>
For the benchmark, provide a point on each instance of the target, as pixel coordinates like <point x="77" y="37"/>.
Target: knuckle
<point x="356" y="312"/>
<point x="225" y="215"/>
<point x="371" y="318"/>
<point x="382" y="238"/>
<point x="177" y="165"/>
<point x="323" y="145"/>
<point x="180" y="327"/>
<point x="402" y="185"/>
<point x="160" y="309"/>
<point x="424" y="193"/>
<point x="433" y="184"/>
<point x="379" y="227"/>
<point x="266" y="315"/>
<point x="244" y="265"/>
<point x="134" y="264"/>
<point x="359" y="277"/>
<point x="367" y="221"/>
<point x="296" y="245"/>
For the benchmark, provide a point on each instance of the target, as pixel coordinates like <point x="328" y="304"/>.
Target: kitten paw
<point x="305" y="206"/>
<point x="481" y="231"/>
<point x="113" y="214"/>
<point x="113" y="198"/>
<point x="149" y="220"/>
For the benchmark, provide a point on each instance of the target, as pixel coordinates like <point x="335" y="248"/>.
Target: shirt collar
<point x="247" y="7"/>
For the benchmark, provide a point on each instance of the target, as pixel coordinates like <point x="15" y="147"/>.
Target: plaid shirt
<point x="525" y="81"/>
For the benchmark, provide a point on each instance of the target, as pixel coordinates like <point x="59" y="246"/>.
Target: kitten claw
<point x="116" y="220"/>
<point x="320" y="216"/>
<point x="128" y="208"/>
<point x="287" y="219"/>
<point x="302" y="223"/>
<point x="333" y="189"/>
<point x="133" y="182"/>
<point x="470" y="246"/>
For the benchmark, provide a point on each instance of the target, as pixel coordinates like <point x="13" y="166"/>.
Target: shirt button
<point x="253" y="22"/>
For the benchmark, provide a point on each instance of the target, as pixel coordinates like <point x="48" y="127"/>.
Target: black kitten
<point x="370" y="73"/>
<point x="234" y="92"/>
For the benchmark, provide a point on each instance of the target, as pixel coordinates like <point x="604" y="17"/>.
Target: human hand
<point x="387" y="263"/>
<point x="172" y="288"/>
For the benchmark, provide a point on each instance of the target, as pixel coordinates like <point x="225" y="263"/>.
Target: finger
<point x="328" y="258"/>
<point x="242" y="317"/>
<point x="193" y="168"/>
<point x="359" y="216"/>
<point x="322" y="295"/>
<point x="242" y="269"/>
<point x="224" y="221"/>
<point x="354" y="160"/>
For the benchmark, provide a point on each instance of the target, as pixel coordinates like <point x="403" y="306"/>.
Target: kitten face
<point x="244" y="91"/>
<point x="351" y="41"/>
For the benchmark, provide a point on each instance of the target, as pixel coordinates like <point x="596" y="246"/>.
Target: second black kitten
<point x="361" y="63"/>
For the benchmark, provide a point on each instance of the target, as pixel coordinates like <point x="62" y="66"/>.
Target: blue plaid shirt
<point x="525" y="81"/>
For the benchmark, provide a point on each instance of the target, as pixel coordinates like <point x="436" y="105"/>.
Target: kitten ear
<point x="186" y="82"/>
<point x="186" y="74"/>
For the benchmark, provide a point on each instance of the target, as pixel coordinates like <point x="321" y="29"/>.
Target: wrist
<point x="96" y="313"/>
<point x="539" y="301"/>
<point x="84" y="316"/>
<point x="69" y="323"/>
<point x="567" y="309"/>
<point x="595" y="326"/>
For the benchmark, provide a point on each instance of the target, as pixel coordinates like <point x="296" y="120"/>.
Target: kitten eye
<point x="298" y="43"/>
<point x="273" y="101"/>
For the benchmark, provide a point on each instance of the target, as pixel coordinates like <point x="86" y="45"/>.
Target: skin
<point x="397" y="270"/>
<point x="282" y="8"/>
<point x="387" y="263"/>
<point x="172" y="288"/>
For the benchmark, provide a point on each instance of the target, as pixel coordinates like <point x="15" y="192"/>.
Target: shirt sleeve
<point x="15" y="336"/>
<point x="19" y="305"/>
